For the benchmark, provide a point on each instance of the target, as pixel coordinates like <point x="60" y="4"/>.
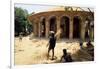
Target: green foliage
<point x="21" y="22"/>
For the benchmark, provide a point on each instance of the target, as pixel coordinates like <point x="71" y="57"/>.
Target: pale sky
<point x="40" y="7"/>
<point x="33" y="7"/>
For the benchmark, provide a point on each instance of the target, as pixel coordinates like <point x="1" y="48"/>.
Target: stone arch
<point x="76" y="27"/>
<point x="64" y="24"/>
<point x="52" y="23"/>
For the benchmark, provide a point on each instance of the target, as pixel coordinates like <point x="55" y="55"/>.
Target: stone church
<point x="73" y="24"/>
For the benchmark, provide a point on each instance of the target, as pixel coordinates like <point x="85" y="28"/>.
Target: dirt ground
<point x="34" y="51"/>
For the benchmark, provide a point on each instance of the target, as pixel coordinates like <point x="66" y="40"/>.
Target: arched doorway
<point x="53" y="24"/>
<point x="86" y="34"/>
<point x="65" y="27"/>
<point x="76" y="27"/>
<point x="43" y="27"/>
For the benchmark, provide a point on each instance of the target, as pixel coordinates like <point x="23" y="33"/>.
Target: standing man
<point x="51" y="44"/>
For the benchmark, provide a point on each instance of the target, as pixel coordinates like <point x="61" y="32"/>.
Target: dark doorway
<point x="43" y="27"/>
<point x="86" y="34"/>
<point x="76" y="27"/>
<point x="53" y="24"/>
<point x="65" y="27"/>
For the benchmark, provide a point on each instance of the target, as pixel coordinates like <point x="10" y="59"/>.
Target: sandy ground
<point x="34" y="51"/>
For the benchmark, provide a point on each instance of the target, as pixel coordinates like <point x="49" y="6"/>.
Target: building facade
<point x="72" y="23"/>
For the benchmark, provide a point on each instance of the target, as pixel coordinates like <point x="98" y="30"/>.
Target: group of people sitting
<point x="89" y="44"/>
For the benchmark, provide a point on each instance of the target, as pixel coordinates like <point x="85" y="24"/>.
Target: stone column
<point x="47" y="28"/>
<point x="34" y="29"/>
<point x="39" y="29"/>
<point x="58" y="32"/>
<point x="83" y="26"/>
<point x="93" y="33"/>
<point x="71" y="28"/>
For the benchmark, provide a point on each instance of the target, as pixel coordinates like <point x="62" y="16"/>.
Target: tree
<point x="21" y="22"/>
<point x="68" y="8"/>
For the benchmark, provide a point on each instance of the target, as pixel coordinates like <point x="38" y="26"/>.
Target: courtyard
<point x="34" y="51"/>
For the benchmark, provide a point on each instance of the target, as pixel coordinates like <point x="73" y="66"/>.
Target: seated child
<point x="66" y="57"/>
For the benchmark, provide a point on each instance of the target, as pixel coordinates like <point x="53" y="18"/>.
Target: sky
<point x="39" y="8"/>
<point x="34" y="7"/>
